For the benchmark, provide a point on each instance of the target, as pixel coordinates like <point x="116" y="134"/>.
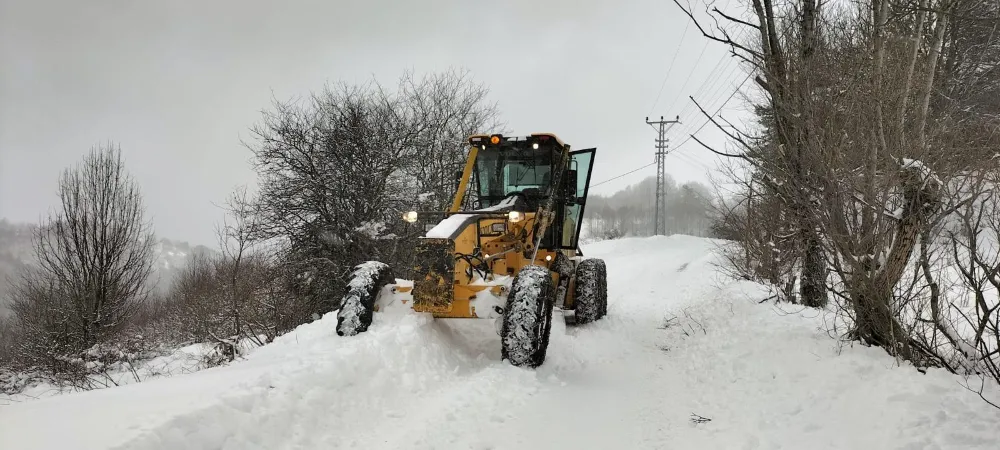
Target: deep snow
<point x="678" y="341"/>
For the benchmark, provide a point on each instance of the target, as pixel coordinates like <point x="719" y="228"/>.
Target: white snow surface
<point x="678" y="340"/>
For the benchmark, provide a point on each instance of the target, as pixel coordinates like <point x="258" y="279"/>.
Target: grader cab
<point x="513" y="257"/>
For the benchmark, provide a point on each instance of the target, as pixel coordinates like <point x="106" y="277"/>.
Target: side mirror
<point x="458" y="179"/>
<point x="570" y="187"/>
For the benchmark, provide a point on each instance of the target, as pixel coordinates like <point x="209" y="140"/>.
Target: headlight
<point x="410" y="216"/>
<point x="515" y="216"/>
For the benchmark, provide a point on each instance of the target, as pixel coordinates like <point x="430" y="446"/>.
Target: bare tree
<point x="337" y="171"/>
<point x="453" y="107"/>
<point x="93" y="259"/>
<point x="236" y="297"/>
<point x="858" y="147"/>
<point x="94" y="255"/>
<point x="972" y="245"/>
<point x="763" y="244"/>
<point x="237" y="235"/>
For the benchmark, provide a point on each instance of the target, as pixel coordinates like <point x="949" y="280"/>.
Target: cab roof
<point x="485" y="138"/>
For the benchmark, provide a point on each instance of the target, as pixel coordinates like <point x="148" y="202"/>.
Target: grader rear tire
<point x="591" y="291"/>
<point x="358" y="305"/>
<point x="527" y="318"/>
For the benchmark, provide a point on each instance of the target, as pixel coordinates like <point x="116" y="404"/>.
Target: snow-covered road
<point x="678" y="341"/>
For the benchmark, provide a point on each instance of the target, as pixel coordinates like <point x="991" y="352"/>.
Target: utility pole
<point x="661" y="152"/>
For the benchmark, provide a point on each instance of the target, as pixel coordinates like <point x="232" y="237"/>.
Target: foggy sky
<point x="177" y="84"/>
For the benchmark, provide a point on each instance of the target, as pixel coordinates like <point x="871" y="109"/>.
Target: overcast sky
<point x="177" y="84"/>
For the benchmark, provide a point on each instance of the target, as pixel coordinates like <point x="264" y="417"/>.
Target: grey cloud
<point x="178" y="83"/>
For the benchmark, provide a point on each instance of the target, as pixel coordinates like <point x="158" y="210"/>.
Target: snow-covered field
<point x="679" y="342"/>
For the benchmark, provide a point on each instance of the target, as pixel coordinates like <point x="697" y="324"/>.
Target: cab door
<point x="582" y="162"/>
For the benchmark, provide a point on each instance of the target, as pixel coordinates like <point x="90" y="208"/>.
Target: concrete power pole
<point x="661" y="152"/>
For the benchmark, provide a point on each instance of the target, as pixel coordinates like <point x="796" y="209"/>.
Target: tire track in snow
<point x="409" y="370"/>
<point x="340" y="387"/>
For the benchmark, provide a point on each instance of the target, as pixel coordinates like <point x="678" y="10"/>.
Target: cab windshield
<point x="503" y="171"/>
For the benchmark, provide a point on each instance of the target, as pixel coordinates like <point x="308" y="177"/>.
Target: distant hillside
<point x="16" y="253"/>
<point x="172" y="258"/>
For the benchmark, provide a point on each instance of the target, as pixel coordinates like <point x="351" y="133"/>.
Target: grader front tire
<point x="591" y="291"/>
<point x="527" y="319"/>
<point x="358" y="305"/>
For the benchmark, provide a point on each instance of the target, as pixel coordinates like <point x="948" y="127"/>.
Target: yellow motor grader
<point x="512" y="257"/>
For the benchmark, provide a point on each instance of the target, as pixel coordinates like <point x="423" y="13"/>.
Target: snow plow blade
<point x="434" y="275"/>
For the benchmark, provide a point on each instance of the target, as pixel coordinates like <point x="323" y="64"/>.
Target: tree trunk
<point x="876" y="323"/>
<point x="813" y="271"/>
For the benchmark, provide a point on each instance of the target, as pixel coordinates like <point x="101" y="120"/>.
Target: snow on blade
<point x="678" y="341"/>
<point x="447" y="227"/>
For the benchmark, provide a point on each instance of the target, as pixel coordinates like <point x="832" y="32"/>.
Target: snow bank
<point x="678" y="341"/>
<point x="182" y="361"/>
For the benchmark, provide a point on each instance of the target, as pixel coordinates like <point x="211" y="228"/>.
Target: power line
<point x="689" y="159"/>
<point x="707" y="101"/>
<point x="726" y="65"/>
<point x="733" y="94"/>
<point x="704" y="95"/>
<point x="622" y="175"/>
<point x="695" y="66"/>
<point x="691" y="136"/>
<point x="688" y="79"/>
<point x="716" y="88"/>
<point x="670" y="67"/>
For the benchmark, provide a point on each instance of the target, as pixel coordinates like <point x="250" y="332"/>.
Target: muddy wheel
<point x="358" y="304"/>
<point x="591" y="291"/>
<point x="527" y="318"/>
